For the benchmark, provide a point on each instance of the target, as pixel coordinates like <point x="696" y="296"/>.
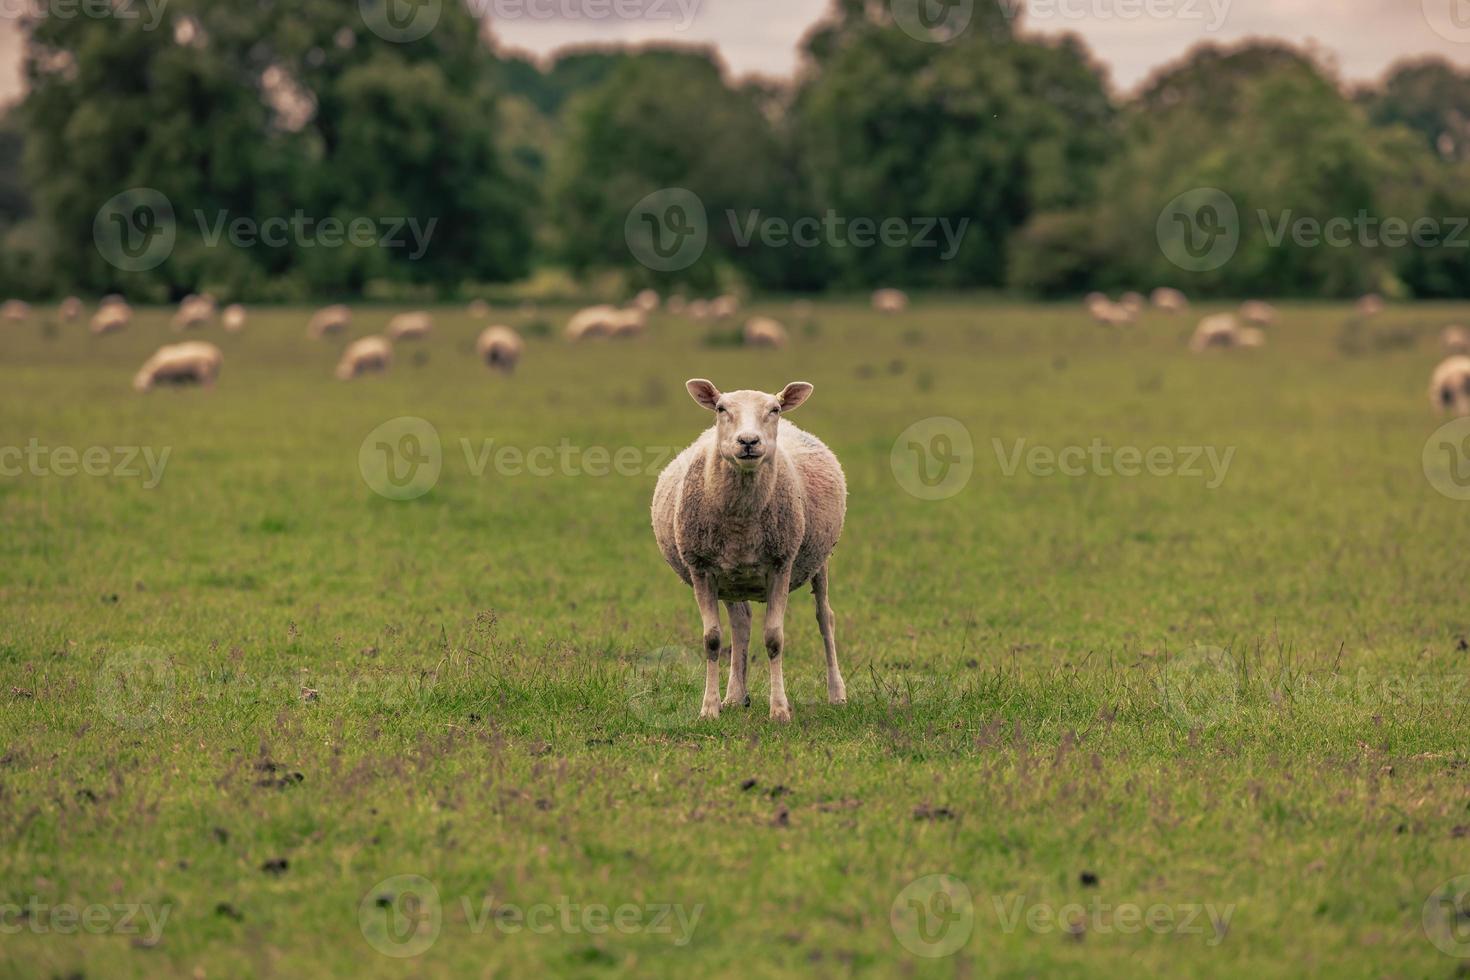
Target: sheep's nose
<point x="748" y="439"/>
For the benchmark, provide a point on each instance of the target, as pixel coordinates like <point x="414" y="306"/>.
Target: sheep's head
<point x="746" y="421"/>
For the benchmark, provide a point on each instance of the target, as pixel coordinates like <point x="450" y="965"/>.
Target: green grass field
<point x="261" y="720"/>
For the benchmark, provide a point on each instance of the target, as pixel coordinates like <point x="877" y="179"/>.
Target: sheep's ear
<point x="703" y="392"/>
<point x="794" y="394"/>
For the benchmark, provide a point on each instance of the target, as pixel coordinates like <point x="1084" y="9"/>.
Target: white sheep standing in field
<point x="724" y="307"/>
<point x="1107" y="313"/>
<point x="364" y="355"/>
<point x="500" y="347"/>
<point x="194" y="311"/>
<point x="1260" y="313"/>
<point x="15" y="310"/>
<point x="233" y="318"/>
<point x="1224" y="332"/>
<point x="1455" y="340"/>
<point x="593" y="321"/>
<point x="750" y="512"/>
<point x="410" y="326"/>
<point x="763" y="331"/>
<point x="113" y="315"/>
<point x="329" y="320"/>
<point x="890" y="301"/>
<point x="648" y="301"/>
<point x="70" y="309"/>
<point x="1133" y="303"/>
<point x="1449" y="387"/>
<point x="192" y="362"/>
<point x="1169" y="300"/>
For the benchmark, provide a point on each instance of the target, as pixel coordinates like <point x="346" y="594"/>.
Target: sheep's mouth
<point x="749" y="456"/>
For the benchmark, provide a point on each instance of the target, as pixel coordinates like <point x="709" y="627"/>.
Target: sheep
<point x="1133" y="303"/>
<point x="500" y="348"/>
<point x="699" y="309"/>
<point x="479" y="309"/>
<point x="1370" y="305"/>
<point x="1169" y="300"/>
<point x="1449" y="386"/>
<point x="724" y="307"/>
<point x="193" y="362"/>
<point x="628" y="323"/>
<point x="1109" y="314"/>
<point x="233" y="318"/>
<point x="113" y="315"/>
<point x="70" y="309"/>
<point x="194" y="311"/>
<point x="751" y="512"/>
<point x="1455" y="340"/>
<point x="364" y="355"/>
<point x="410" y="326"/>
<point x="15" y="310"/>
<point x="763" y="331"/>
<point x="329" y="320"/>
<point x="594" y="321"/>
<point x="1223" y="332"/>
<point x="890" y="301"/>
<point x="1257" y="312"/>
<point x="648" y="301"/>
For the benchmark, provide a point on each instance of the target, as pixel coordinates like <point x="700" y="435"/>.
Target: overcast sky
<point x="1130" y="36"/>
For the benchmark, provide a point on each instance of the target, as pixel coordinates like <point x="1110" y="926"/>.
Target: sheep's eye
<point x="776" y="410"/>
<point x="720" y="409"/>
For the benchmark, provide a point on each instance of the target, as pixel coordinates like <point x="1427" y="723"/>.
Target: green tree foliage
<point x="1430" y="97"/>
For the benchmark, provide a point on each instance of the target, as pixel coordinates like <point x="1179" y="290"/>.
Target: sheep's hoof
<point x="734" y="702"/>
<point x="710" y="710"/>
<point x="780" y="712"/>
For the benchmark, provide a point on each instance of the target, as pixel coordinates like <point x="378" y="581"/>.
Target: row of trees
<point x="274" y="110"/>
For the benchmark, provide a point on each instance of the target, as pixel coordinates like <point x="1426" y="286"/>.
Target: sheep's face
<point x="746" y="422"/>
<point x="1454" y="395"/>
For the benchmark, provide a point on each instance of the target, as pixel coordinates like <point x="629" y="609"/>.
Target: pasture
<point x="1208" y="719"/>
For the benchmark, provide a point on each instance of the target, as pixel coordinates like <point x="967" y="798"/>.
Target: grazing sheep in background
<point x="233" y="318"/>
<point x="1224" y="332"/>
<point x="724" y="307"/>
<point x="1449" y="387"/>
<point x="1257" y="312"/>
<point x="627" y="323"/>
<point x="1169" y="300"/>
<point x="194" y="311"/>
<point x="193" y="362"/>
<point x="70" y="309"/>
<point x="329" y="320"/>
<point x="648" y="301"/>
<point x="479" y="309"/>
<point x="890" y="301"/>
<point x="500" y="348"/>
<point x="763" y="331"/>
<point x="1133" y="303"/>
<point x="410" y="326"/>
<point x="750" y="512"/>
<point x="362" y="356"/>
<point x="1109" y="314"/>
<point x="1370" y="305"/>
<point x="699" y="309"/>
<point x="15" y="310"/>
<point x="1455" y="340"/>
<point x="594" y="321"/>
<point x="113" y="315"/>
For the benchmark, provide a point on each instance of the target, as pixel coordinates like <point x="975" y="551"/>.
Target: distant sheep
<point x="1169" y="300"/>
<point x="594" y="321"/>
<point x="233" y="318"/>
<point x="1449" y="387"/>
<point x="364" y="356"/>
<point x="329" y="320"/>
<point x="648" y="301"/>
<point x="410" y="326"/>
<point x="1224" y="332"/>
<point x="193" y="312"/>
<point x="751" y="511"/>
<point x="698" y="309"/>
<point x="724" y="307"/>
<point x="763" y="331"/>
<point x="113" y="315"/>
<point x="1370" y="305"/>
<point x="1260" y="313"/>
<point x="15" y="310"/>
<point x="1455" y="340"/>
<point x="192" y="363"/>
<point x="1133" y="303"/>
<point x="70" y="309"/>
<point x="890" y="301"/>
<point x="1109" y="314"/>
<point x="500" y="348"/>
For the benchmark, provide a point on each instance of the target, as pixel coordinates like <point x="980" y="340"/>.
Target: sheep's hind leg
<point x="836" y="689"/>
<point x="709" y="614"/>
<point x="736" y="694"/>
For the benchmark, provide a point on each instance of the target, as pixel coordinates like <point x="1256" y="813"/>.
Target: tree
<point x="1430" y="97"/>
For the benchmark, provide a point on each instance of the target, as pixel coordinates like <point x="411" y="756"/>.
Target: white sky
<point x="1131" y="37"/>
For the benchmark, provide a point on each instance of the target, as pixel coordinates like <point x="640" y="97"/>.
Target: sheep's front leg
<point x="780" y="589"/>
<point x="836" y="689"/>
<point x="736" y="695"/>
<point x="709" y="613"/>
